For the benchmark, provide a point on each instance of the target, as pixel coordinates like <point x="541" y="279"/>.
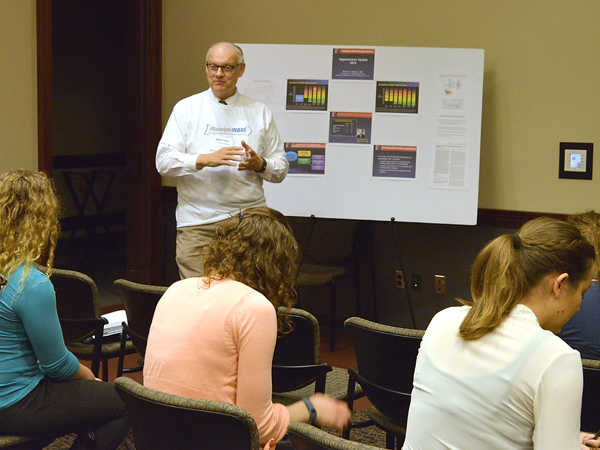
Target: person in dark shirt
<point x="582" y="332"/>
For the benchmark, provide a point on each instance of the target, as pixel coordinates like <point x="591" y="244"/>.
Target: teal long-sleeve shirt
<point x="31" y="340"/>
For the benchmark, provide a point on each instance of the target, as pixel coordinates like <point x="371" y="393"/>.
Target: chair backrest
<point x="140" y="301"/>
<point x="590" y="413"/>
<point x="302" y="345"/>
<point x="163" y="421"/>
<point x="297" y="356"/>
<point x="330" y="241"/>
<point x="385" y="355"/>
<point x="308" y="437"/>
<point x="77" y="303"/>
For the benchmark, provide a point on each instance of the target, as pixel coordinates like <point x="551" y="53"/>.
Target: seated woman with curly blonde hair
<point x="43" y="387"/>
<point x="214" y="337"/>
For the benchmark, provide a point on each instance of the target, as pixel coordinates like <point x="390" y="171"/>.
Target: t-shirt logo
<point x="239" y="131"/>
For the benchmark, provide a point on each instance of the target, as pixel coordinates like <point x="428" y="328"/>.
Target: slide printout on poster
<point x="394" y="161"/>
<point x="353" y="64"/>
<point x="350" y="128"/>
<point x="306" y="158"/>
<point x="306" y="95"/>
<point x="397" y="97"/>
<point x="373" y="132"/>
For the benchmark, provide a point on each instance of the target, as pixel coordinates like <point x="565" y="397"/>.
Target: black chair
<point x="590" y="413"/>
<point x="308" y="437"/>
<point x="386" y="358"/>
<point x="297" y="368"/>
<point x="78" y="305"/>
<point x="163" y="421"/>
<point x="329" y="254"/>
<point x="140" y="301"/>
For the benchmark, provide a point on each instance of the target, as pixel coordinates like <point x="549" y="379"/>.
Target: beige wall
<point x="18" y="85"/>
<point x="541" y="72"/>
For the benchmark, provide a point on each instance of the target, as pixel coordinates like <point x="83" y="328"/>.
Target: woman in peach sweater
<point x="213" y="337"/>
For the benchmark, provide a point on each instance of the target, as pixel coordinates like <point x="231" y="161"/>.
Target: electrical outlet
<point x="440" y="284"/>
<point x="399" y="279"/>
<point x="415" y="282"/>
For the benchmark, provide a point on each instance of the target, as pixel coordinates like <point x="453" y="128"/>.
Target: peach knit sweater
<point x="217" y="343"/>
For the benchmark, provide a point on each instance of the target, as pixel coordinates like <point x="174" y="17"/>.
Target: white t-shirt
<point x="519" y="387"/>
<point x="200" y="124"/>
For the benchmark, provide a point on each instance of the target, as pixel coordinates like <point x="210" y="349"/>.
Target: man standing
<point x="220" y="145"/>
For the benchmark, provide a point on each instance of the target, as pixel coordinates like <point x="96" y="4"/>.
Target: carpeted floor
<point x="367" y="435"/>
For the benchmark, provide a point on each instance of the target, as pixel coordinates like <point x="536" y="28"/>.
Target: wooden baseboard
<point x="485" y="217"/>
<point x="509" y="219"/>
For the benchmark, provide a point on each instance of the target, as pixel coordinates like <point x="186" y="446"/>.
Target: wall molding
<point x="509" y="219"/>
<point x="485" y="217"/>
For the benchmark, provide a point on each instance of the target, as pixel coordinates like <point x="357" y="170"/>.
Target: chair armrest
<point x="290" y="378"/>
<point x="78" y="330"/>
<point x="391" y="403"/>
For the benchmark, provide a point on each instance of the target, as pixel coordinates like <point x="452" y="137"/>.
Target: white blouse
<point x="519" y="387"/>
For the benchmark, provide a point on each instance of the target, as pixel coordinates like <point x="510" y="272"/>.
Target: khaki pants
<point x="191" y="248"/>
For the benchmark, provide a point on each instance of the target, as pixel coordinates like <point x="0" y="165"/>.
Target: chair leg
<point x="350" y="400"/>
<point x="374" y="289"/>
<point x="332" y="316"/>
<point x="105" y="370"/>
<point x="121" y="354"/>
<point x="390" y="441"/>
<point x="357" y="287"/>
<point x="400" y="441"/>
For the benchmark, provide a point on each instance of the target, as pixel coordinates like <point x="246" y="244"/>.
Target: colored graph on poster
<point x="306" y="95"/>
<point x="397" y="97"/>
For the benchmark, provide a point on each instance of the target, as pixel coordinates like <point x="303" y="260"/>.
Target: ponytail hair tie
<point x="240" y="214"/>
<point x="516" y="242"/>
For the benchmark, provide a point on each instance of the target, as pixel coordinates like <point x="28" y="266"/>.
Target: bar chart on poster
<point x="373" y="133"/>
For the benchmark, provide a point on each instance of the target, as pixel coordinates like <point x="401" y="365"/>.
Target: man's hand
<point x="588" y="441"/>
<point x="226" y="156"/>
<point x="253" y="161"/>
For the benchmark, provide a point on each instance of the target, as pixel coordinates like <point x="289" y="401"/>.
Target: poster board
<point x="373" y="133"/>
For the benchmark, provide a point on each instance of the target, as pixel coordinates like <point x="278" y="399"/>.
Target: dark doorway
<point x="99" y="103"/>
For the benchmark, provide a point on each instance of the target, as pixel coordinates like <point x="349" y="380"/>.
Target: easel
<point x="410" y="307"/>
<point x="313" y="222"/>
<point x="327" y="274"/>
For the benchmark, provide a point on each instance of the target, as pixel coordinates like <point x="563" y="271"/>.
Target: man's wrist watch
<point x="264" y="166"/>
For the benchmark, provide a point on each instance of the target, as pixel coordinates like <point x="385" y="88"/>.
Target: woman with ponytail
<point x="493" y="373"/>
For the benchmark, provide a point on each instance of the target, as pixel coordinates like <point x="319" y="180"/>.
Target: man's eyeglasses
<point x="227" y="68"/>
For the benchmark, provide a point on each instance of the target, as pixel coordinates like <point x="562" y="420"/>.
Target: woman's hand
<point x="330" y="412"/>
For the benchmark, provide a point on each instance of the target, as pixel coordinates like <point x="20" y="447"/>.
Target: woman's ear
<point x="559" y="284"/>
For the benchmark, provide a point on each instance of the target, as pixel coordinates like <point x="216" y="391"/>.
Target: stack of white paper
<point x="115" y="322"/>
